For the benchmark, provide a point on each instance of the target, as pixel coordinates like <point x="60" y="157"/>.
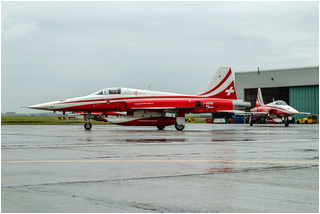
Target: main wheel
<point x="179" y="127"/>
<point x="286" y="123"/>
<point x="160" y="127"/>
<point x="87" y="126"/>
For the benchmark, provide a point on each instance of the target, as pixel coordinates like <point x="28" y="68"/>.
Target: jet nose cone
<point x="42" y="106"/>
<point x="293" y="111"/>
<point x="39" y="106"/>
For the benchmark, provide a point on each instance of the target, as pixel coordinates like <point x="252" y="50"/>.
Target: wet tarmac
<point x="205" y="168"/>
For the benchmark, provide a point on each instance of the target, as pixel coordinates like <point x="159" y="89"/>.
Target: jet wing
<point x="237" y="112"/>
<point x="193" y="105"/>
<point x="246" y="113"/>
<point x="165" y="108"/>
<point x="161" y="104"/>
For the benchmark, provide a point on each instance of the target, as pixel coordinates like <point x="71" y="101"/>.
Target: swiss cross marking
<point x="229" y="91"/>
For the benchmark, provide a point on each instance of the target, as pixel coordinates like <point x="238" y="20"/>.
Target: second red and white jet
<point x="278" y="112"/>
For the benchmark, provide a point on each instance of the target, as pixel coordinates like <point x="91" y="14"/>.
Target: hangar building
<point x="298" y="87"/>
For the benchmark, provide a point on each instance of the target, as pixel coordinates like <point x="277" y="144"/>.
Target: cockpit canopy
<point x="108" y="91"/>
<point x="279" y="102"/>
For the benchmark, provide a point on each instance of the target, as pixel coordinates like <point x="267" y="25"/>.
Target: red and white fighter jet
<point x="275" y="112"/>
<point x="149" y="108"/>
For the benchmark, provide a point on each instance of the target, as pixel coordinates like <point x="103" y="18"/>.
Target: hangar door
<point x="268" y="94"/>
<point x="304" y="99"/>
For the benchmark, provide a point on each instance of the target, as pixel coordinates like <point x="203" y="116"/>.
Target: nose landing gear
<point x="88" y="125"/>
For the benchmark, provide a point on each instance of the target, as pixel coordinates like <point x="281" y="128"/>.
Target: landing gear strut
<point x="181" y="120"/>
<point x="286" y="122"/>
<point x="251" y="120"/>
<point x="88" y="125"/>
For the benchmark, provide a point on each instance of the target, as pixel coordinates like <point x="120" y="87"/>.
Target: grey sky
<point x="56" y="50"/>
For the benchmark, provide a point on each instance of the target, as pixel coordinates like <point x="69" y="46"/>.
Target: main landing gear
<point x="251" y="120"/>
<point x="181" y="121"/>
<point x="286" y="121"/>
<point x="179" y="127"/>
<point x="88" y="125"/>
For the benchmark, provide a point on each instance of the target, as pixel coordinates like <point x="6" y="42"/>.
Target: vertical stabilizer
<point x="221" y="85"/>
<point x="259" y="100"/>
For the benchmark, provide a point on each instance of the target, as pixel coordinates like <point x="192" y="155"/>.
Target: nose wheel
<point x="88" y="125"/>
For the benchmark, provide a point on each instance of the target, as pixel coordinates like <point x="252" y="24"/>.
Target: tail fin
<point x="221" y="85"/>
<point x="259" y="100"/>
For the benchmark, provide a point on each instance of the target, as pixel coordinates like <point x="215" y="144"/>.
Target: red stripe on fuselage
<point x="136" y="98"/>
<point x="124" y="104"/>
<point x="277" y="110"/>
<point x="131" y="98"/>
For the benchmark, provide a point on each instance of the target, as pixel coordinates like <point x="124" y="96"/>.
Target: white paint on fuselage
<point x="95" y="98"/>
<point x="285" y="108"/>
